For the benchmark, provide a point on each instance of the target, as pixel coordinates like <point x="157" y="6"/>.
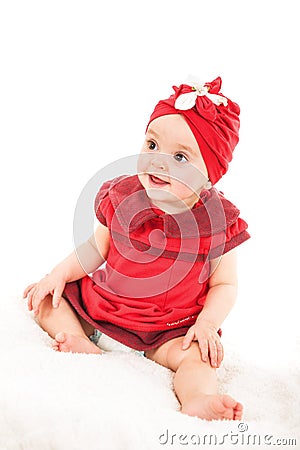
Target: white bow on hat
<point x="188" y="100"/>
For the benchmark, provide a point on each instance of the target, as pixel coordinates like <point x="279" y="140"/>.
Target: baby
<point x="168" y="238"/>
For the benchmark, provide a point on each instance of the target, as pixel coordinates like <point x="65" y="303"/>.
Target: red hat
<point x="213" y="119"/>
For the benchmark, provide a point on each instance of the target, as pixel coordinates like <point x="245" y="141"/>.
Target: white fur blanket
<point x="120" y="400"/>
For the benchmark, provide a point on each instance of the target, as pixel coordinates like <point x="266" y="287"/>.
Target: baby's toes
<point x="238" y="411"/>
<point x="55" y="346"/>
<point x="232" y="408"/>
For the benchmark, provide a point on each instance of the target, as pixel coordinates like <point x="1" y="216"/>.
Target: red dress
<point x="155" y="280"/>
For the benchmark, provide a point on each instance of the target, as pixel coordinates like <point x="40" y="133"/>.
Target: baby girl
<point x="167" y="240"/>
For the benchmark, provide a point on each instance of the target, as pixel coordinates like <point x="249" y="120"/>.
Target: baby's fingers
<point x="37" y="298"/>
<point x="28" y="289"/>
<point x="203" y="344"/>
<point x="188" y="339"/>
<point x="36" y="301"/>
<point x="30" y="297"/>
<point x="213" y="353"/>
<point x="57" y="295"/>
<point x="220" y="351"/>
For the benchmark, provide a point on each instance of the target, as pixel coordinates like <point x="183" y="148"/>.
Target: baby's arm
<point x="219" y="302"/>
<point x="85" y="259"/>
<point x="222" y="290"/>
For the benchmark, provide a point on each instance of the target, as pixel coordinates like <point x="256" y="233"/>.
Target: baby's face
<point x="171" y="167"/>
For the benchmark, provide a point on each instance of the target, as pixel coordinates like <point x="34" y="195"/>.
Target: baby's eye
<point x="152" y="145"/>
<point x="180" y="157"/>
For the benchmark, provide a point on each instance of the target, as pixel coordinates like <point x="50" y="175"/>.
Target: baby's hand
<point x="209" y="341"/>
<point x="36" y="292"/>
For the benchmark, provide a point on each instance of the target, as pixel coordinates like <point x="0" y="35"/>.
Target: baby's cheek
<point x="188" y="180"/>
<point x="142" y="179"/>
<point x="181" y="189"/>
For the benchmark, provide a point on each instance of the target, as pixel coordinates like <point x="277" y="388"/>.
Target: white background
<point x="78" y="82"/>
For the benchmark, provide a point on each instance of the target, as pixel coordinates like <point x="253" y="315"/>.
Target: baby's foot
<point x="213" y="407"/>
<point x="65" y="342"/>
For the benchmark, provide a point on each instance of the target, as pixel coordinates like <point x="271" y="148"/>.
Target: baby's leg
<point x="65" y="327"/>
<point x="195" y="382"/>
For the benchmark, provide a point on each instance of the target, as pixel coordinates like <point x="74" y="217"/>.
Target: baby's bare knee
<point x="176" y="356"/>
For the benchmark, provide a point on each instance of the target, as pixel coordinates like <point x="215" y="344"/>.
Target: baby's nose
<point x="159" y="162"/>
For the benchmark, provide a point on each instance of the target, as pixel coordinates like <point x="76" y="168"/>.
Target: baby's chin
<point x="167" y="199"/>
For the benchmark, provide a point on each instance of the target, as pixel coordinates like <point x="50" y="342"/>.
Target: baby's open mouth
<point x="157" y="181"/>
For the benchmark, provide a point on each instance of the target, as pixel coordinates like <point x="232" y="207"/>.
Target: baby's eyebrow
<point x="186" y="147"/>
<point x="153" y="132"/>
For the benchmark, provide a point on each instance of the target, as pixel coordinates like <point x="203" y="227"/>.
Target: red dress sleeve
<point x="233" y="234"/>
<point x="236" y="234"/>
<point x="102" y="203"/>
<point x="103" y="206"/>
